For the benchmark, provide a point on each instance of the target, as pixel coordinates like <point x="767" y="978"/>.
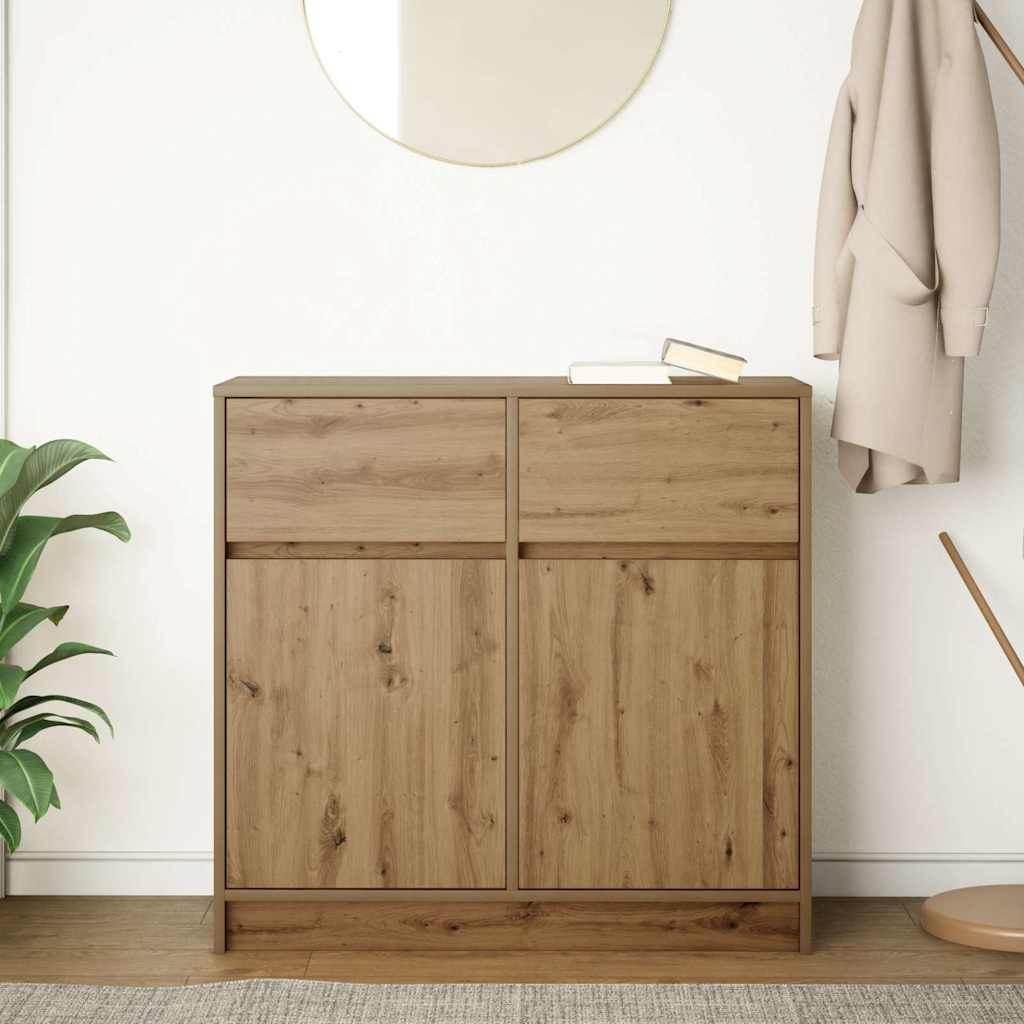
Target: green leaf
<point x="22" y="619"/>
<point x="45" y="464"/>
<point x="110" y="522"/>
<point x="25" y="776"/>
<point x="11" y="735"/>
<point x="11" y="678"/>
<point x="28" y="539"/>
<point x="25" y="729"/>
<point x="62" y="652"/>
<point x="27" y="703"/>
<point x="10" y="826"/>
<point x="54" y="799"/>
<point x="12" y="458"/>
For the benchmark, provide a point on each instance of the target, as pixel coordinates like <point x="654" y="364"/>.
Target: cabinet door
<point x="658" y="724"/>
<point x="365" y="724"/>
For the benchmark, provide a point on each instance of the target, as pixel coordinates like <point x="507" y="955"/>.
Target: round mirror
<point x="487" y="82"/>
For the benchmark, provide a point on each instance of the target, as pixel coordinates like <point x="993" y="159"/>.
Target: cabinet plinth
<point x="510" y="664"/>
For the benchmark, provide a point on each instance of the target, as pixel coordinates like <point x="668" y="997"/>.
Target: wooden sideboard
<point x="512" y="664"/>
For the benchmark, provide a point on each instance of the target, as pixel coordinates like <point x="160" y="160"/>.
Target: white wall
<point x="191" y="200"/>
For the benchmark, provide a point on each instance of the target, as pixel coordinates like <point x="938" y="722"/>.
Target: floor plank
<point x="144" y="964"/>
<point x="77" y="922"/>
<point x="114" y="980"/>
<point x="874" y="924"/>
<point x="166" y="941"/>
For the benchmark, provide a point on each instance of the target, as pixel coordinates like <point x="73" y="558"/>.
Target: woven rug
<point x="315" y="1002"/>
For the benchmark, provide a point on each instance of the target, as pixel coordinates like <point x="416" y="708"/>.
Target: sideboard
<point x="512" y="664"/>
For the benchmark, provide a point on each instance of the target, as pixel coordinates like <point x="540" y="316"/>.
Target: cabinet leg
<point x="806" y="924"/>
<point x="219" y="925"/>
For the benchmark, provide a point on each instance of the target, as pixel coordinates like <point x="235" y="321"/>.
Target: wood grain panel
<point x="646" y="689"/>
<point x="219" y="669"/>
<point x="806" y="674"/>
<point x="375" y="549"/>
<point x="781" y="729"/>
<point x="734" y="550"/>
<point x="644" y="470"/>
<point x="383" y="469"/>
<point x="511" y="648"/>
<point x="502" y="387"/>
<point x="366" y="727"/>
<point x="519" y="895"/>
<point x="738" y="927"/>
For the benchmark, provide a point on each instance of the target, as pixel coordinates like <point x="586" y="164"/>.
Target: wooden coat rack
<point x="986" y="916"/>
<point x="1000" y="43"/>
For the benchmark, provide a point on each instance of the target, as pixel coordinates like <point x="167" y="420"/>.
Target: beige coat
<point x="908" y="239"/>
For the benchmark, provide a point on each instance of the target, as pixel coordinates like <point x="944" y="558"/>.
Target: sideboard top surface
<point x="502" y="387"/>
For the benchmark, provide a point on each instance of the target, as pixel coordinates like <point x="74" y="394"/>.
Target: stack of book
<point x="675" y="356"/>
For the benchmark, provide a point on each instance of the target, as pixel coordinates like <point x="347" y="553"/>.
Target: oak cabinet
<point x="512" y="664"/>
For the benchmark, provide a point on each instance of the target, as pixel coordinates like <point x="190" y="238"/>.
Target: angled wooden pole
<point x="983" y="605"/>
<point x="1000" y="43"/>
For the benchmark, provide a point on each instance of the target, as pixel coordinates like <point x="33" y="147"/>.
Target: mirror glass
<point x="487" y="82"/>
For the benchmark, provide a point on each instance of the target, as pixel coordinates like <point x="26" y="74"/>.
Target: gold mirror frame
<point x="662" y="36"/>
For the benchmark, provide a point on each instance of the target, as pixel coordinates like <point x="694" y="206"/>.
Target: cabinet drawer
<point x="384" y="469"/>
<point x="659" y="469"/>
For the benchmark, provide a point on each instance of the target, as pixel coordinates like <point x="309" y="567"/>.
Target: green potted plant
<point x="24" y="775"/>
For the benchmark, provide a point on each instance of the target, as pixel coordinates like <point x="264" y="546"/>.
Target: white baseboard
<point x="911" y="874"/>
<point x="92" y="873"/>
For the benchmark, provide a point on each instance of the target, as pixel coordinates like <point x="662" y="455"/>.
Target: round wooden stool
<point x="986" y="916"/>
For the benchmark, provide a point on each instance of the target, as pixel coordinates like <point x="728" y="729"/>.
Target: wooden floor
<point x="166" y="941"/>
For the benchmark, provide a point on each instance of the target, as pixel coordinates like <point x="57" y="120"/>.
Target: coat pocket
<point x="884" y="263"/>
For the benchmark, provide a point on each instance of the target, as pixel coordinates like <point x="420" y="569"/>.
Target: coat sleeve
<point x="965" y="187"/>
<point x="837" y="209"/>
